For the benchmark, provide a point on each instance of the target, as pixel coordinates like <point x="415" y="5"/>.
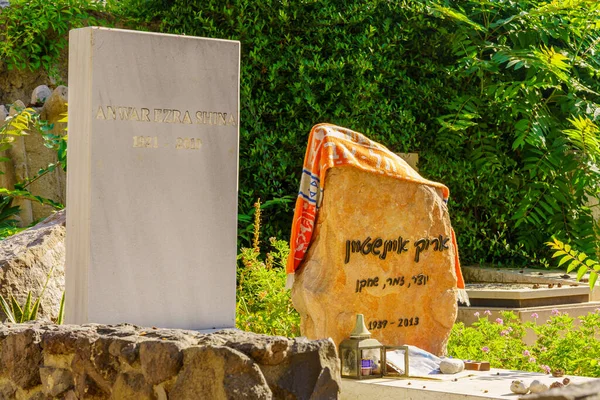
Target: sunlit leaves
<point x="577" y="259"/>
<point x="584" y="135"/>
<point x="534" y="83"/>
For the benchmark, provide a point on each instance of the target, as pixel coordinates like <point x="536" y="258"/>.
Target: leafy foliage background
<point x="500" y="98"/>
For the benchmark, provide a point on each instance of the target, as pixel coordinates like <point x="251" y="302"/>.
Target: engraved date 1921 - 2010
<point x="400" y="323"/>
<point x="151" y="142"/>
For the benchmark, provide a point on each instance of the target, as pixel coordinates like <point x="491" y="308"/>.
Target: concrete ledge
<point x="494" y="384"/>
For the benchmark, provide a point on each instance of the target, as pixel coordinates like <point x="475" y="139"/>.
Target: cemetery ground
<point x="177" y="288"/>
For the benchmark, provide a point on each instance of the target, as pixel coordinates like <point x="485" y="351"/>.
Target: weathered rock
<point x="16" y="107"/>
<point x="126" y="362"/>
<point x="407" y="296"/>
<point x="21" y="356"/>
<point x="519" y="387"/>
<point x="4" y="3"/>
<point x="451" y="366"/>
<point x="7" y="391"/>
<point x="3" y="114"/>
<point x="219" y="373"/>
<point x="40" y="94"/>
<point x="55" y="104"/>
<point x="537" y="387"/>
<point x="132" y="387"/>
<point x="55" y="380"/>
<point x="310" y="363"/>
<point x="585" y="391"/>
<point x="160" y="360"/>
<point x="18" y="83"/>
<point x="272" y="350"/>
<point x="26" y="260"/>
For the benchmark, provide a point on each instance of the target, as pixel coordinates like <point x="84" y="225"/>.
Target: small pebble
<point x="518" y="387"/>
<point x="451" y="366"/>
<point x="559" y="284"/>
<point x="550" y="285"/>
<point x="556" y="385"/>
<point x="557" y="373"/>
<point x="566" y="381"/>
<point x="537" y="387"/>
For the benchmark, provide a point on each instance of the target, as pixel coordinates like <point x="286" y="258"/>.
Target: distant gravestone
<point x="152" y="179"/>
<point x="382" y="245"/>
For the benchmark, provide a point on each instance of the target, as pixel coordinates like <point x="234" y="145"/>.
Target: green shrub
<point x="524" y="123"/>
<point x="560" y="345"/>
<point x="33" y="33"/>
<point x="500" y="98"/>
<point x="263" y="303"/>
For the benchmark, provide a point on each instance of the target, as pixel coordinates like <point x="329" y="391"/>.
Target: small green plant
<point x="263" y="303"/>
<point x="8" y="225"/>
<point x="20" y="124"/>
<point x="576" y="259"/>
<point x="28" y="312"/>
<point x="560" y="343"/>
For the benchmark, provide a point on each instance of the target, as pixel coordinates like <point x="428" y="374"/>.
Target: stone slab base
<point x="494" y="384"/>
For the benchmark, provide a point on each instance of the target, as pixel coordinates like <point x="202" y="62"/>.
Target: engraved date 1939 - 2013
<point x="400" y="323"/>
<point x="151" y="142"/>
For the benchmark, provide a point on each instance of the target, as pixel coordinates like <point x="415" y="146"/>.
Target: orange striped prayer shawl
<point x="333" y="146"/>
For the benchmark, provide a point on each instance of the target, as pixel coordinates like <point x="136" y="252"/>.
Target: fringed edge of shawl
<point x="463" y="297"/>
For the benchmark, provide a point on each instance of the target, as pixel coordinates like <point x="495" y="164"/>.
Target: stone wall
<point x="43" y="361"/>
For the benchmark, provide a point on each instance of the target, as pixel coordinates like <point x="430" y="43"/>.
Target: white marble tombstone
<point x="152" y="179"/>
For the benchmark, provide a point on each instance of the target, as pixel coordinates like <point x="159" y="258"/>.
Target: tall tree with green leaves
<point x="527" y="118"/>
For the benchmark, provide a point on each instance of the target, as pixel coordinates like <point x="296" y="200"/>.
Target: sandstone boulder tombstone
<point x="152" y="179"/>
<point x="382" y="245"/>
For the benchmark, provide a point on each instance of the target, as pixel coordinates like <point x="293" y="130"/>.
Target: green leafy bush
<point x="263" y="303"/>
<point x="560" y="344"/>
<point x="500" y="98"/>
<point x="33" y="33"/>
<point x="524" y="122"/>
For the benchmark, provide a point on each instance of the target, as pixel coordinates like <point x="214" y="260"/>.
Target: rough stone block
<point x="220" y="373"/>
<point x="40" y="94"/>
<point x="160" y="360"/>
<point x="55" y="380"/>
